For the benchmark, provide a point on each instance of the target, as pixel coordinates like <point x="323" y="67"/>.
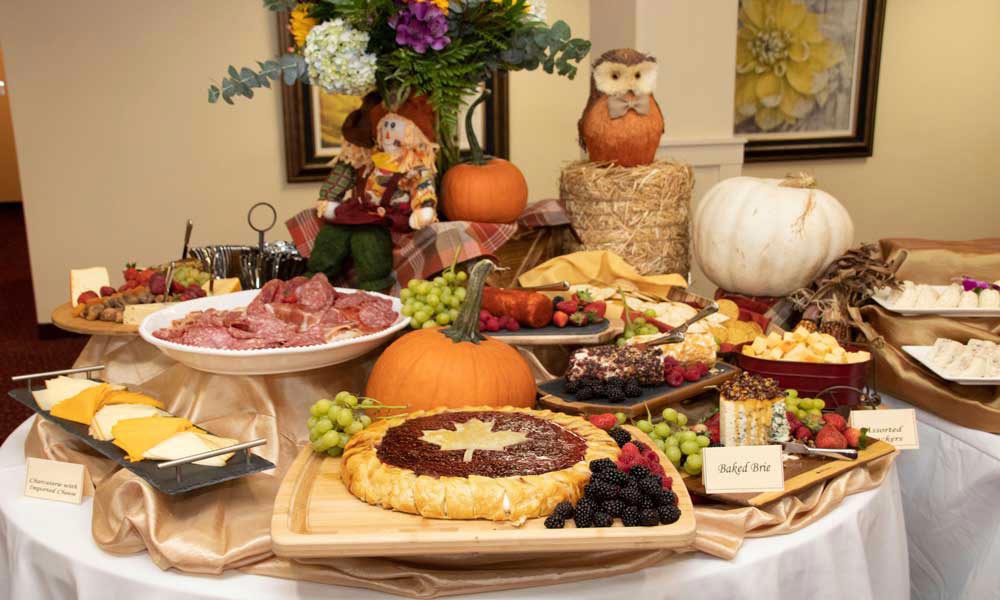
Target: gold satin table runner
<point x="228" y="526"/>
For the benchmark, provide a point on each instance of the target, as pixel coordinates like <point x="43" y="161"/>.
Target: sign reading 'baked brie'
<point x="742" y="469"/>
<point x="897" y="426"/>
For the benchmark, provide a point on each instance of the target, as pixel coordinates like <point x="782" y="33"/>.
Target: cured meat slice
<point x="316" y="294"/>
<point x="291" y="288"/>
<point x="296" y="316"/>
<point x="373" y="317"/>
<point x="211" y="336"/>
<point x="266" y="296"/>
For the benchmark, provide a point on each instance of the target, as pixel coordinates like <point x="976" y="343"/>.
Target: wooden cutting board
<point x="571" y="335"/>
<point x="63" y="318"/>
<point x="654" y="399"/>
<point x="315" y="516"/>
<point x="801" y="473"/>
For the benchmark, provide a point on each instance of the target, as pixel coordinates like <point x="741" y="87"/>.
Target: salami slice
<point x="372" y="317"/>
<point x="316" y="294"/>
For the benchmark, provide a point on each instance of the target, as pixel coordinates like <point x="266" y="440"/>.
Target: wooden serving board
<point x="553" y="397"/>
<point x="315" y="516"/>
<point x="800" y="474"/>
<point x="63" y="318"/>
<point x="570" y="335"/>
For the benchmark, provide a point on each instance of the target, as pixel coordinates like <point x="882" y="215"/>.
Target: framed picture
<point x="807" y="77"/>
<point x="312" y="120"/>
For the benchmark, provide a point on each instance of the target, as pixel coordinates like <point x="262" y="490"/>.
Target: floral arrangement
<point x="439" y="49"/>
<point x="970" y="284"/>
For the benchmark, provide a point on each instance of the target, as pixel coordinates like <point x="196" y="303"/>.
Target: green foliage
<point x="279" y="5"/>
<point x="289" y="68"/>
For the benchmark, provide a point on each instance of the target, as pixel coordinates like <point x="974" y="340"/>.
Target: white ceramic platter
<point x="938" y="312"/>
<point x="922" y="354"/>
<point x="268" y="361"/>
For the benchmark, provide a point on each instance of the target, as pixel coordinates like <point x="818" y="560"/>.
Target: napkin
<point x="600" y="268"/>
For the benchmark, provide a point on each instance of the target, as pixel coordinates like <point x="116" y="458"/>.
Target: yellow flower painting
<point x="795" y="65"/>
<point x="333" y="109"/>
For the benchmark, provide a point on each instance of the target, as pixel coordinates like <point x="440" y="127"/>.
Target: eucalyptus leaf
<point x="213" y="94"/>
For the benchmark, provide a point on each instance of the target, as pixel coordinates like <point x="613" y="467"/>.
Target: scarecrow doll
<point x="382" y="182"/>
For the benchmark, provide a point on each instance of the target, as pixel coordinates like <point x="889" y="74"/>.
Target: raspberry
<point x="649" y="517"/>
<point x="668" y="482"/>
<point x="564" y="510"/>
<point x="630" y="516"/>
<point x="602" y="519"/>
<point x="675" y="378"/>
<point x="630" y="448"/>
<point x="484" y="314"/>
<point x="513" y="325"/>
<point x="669" y="513"/>
<point x="692" y="373"/>
<point x="555" y="522"/>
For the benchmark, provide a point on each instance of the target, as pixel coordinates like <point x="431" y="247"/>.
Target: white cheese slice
<point x="105" y="419"/>
<point x="188" y="443"/>
<point x="60" y="388"/>
<point x="87" y="280"/>
<point x="135" y="313"/>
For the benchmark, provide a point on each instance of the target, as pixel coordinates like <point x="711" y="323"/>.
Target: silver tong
<point x="555" y="286"/>
<point x="799" y="448"/>
<point x="677" y="334"/>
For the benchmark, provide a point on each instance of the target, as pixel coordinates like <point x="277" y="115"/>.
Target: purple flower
<point x="421" y="25"/>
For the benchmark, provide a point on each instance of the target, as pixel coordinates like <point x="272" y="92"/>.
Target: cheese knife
<point x="799" y="448"/>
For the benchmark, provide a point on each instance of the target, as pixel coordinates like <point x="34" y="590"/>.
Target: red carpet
<point x="21" y="349"/>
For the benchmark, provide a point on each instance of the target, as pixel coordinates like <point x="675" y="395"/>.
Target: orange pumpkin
<point x="484" y="189"/>
<point x="453" y="366"/>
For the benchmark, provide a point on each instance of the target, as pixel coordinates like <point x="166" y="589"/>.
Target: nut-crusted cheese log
<point x="603" y="362"/>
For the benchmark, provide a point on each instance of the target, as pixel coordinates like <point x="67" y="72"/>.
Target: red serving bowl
<point x="812" y="378"/>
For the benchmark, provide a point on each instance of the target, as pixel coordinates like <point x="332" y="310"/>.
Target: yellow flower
<point x="300" y="23"/>
<point x="783" y="62"/>
<point x="442" y="4"/>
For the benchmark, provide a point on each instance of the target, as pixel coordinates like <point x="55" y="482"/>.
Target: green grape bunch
<point x="436" y="302"/>
<point x="672" y="435"/>
<point x="332" y="423"/>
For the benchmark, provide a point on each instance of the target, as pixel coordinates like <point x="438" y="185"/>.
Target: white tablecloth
<point x="858" y="551"/>
<point x="951" y="500"/>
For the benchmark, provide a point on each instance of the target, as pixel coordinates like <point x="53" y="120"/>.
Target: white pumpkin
<point x="768" y="237"/>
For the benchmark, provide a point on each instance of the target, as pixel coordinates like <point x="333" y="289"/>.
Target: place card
<point x="740" y="469"/>
<point x="54" y="480"/>
<point x="896" y="426"/>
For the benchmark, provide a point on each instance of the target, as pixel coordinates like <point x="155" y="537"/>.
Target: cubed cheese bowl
<point x="810" y="378"/>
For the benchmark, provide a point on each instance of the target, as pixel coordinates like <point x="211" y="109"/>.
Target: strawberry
<point x="592" y="317"/>
<point x="830" y="437"/>
<point x="584" y="296"/>
<point x="579" y="319"/>
<point x="559" y="318"/>
<point x="85" y="296"/>
<point x="603" y="421"/>
<point x="853" y="437"/>
<point x="835" y="420"/>
<point x="598" y="308"/>
<point x="130" y="272"/>
<point x="568" y="306"/>
<point x="803" y="433"/>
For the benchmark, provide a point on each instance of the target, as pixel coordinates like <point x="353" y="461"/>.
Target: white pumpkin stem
<point x="799" y="180"/>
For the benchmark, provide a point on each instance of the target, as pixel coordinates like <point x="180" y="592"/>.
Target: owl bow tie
<point x="619" y="105"/>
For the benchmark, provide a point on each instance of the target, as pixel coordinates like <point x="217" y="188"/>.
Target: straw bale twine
<point x="640" y="213"/>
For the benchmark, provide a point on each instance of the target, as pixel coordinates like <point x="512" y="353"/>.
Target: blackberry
<point x="588" y="490"/>
<point x="615" y="381"/>
<point x="571" y="387"/>
<point x="602" y="490"/>
<point x="614" y="477"/>
<point x="615" y="393"/>
<point x="631" y="496"/>
<point x="639" y="472"/>
<point x="613" y="507"/>
<point x="666" y="498"/>
<point x="602" y="464"/>
<point x="647" y="502"/>
<point x="564" y="510"/>
<point x="632" y="388"/>
<point x="651" y="486"/>
<point x="620" y="436"/>
<point x="585" y="393"/>
<point x="602" y="519"/>
<point x="669" y="514"/>
<point x="583" y="520"/>
<point x="586" y="505"/>
<point x="648" y="517"/>
<point x="557" y="300"/>
<point x="555" y="522"/>
<point x="630" y="516"/>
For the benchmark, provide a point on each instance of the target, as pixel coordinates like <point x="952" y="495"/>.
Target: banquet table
<point x="950" y="489"/>
<point x="857" y="551"/>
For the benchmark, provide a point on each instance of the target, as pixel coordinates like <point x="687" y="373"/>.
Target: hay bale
<point x="640" y="213"/>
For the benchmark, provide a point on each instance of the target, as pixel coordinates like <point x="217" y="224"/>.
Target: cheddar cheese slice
<point x="136" y="436"/>
<point x="188" y="443"/>
<point x="127" y="397"/>
<point x="106" y="418"/>
<point x="82" y="407"/>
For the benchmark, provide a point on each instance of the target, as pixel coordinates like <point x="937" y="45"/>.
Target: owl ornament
<point x="622" y="122"/>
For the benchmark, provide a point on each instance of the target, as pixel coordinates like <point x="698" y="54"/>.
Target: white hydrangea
<point x="536" y="8"/>
<point x="335" y="54"/>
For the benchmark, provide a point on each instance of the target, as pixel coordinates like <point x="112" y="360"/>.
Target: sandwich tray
<point x="801" y="472"/>
<point x="922" y="355"/>
<point x="554" y="396"/>
<point x="938" y="312"/>
<point x="315" y="516"/>
<point x="178" y="480"/>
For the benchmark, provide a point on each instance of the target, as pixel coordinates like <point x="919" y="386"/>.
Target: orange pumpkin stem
<point x="466" y="325"/>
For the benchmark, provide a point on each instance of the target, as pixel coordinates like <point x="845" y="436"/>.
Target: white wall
<point x="118" y="146"/>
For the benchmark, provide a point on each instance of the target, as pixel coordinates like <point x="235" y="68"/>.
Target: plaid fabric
<point x="772" y="314"/>
<point x="422" y="253"/>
